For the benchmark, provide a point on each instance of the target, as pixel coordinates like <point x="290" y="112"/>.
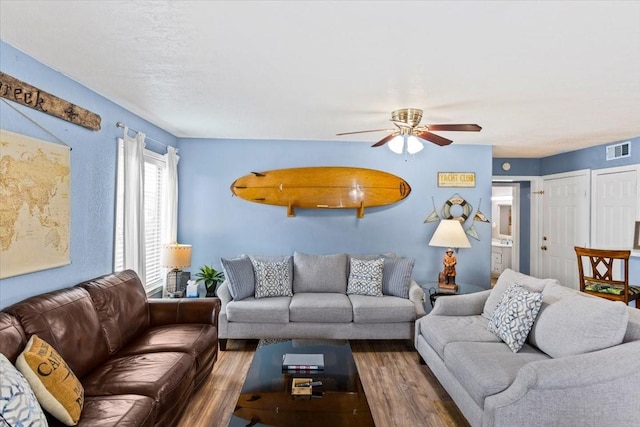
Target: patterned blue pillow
<point x="273" y="278"/>
<point x="240" y="278"/>
<point x="365" y="277"/>
<point x="18" y="404"/>
<point x="396" y="276"/>
<point x="513" y="318"/>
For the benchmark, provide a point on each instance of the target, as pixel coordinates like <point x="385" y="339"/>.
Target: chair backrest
<point x="602" y="262"/>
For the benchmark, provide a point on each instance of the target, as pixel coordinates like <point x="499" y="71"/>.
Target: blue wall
<point x="525" y="227"/>
<point x="219" y="225"/>
<point x="587" y="158"/>
<point x="93" y="160"/>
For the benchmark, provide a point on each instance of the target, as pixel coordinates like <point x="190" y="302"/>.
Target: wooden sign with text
<point x="456" y="179"/>
<point x="25" y="94"/>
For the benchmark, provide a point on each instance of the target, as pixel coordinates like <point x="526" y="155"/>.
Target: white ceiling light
<point x="410" y="143"/>
<point x="414" y="145"/>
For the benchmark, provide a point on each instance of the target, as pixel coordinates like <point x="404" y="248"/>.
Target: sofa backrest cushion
<point x="12" y="337"/>
<point x="319" y="273"/>
<point x="633" y="327"/>
<point x="121" y="304"/>
<point x="508" y="278"/>
<point x="68" y="321"/>
<point x="579" y="324"/>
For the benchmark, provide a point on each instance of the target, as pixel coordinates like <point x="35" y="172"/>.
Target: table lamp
<point x="176" y="257"/>
<point x="449" y="234"/>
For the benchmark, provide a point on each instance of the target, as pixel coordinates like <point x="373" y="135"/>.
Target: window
<point x="154" y="189"/>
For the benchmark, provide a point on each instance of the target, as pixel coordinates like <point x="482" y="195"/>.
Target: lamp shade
<point x="175" y="256"/>
<point x="450" y="234"/>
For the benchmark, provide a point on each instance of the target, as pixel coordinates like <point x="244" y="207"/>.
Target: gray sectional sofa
<point x="579" y="366"/>
<point x="318" y="304"/>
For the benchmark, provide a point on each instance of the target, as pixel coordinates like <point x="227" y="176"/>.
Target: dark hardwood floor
<point x="400" y="391"/>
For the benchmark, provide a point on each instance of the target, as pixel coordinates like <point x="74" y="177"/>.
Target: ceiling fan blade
<point x="436" y="139"/>
<point x="363" y="131"/>
<point x="458" y="128"/>
<point x="385" y="139"/>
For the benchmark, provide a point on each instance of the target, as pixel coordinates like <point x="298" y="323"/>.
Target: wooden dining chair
<point x="600" y="282"/>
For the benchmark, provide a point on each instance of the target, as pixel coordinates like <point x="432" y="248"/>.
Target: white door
<point x="565" y="220"/>
<point x="614" y="207"/>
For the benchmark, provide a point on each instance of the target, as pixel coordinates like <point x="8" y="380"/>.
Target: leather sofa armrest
<point x="183" y="310"/>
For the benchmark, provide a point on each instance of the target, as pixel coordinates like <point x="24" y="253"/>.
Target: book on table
<point x="302" y="362"/>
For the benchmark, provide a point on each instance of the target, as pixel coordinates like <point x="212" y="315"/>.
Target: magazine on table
<point x="302" y="362"/>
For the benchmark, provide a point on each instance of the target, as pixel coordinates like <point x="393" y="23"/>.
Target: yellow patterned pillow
<point x="56" y="387"/>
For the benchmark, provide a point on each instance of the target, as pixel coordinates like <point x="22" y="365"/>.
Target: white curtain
<point x="170" y="232"/>
<point x="170" y="229"/>
<point x="134" y="241"/>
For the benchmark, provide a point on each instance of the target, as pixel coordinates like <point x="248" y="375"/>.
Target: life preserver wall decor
<point x="466" y="210"/>
<point x="456" y="199"/>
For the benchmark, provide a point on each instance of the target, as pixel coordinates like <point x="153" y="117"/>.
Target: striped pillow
<point x="240" y="277"/>
<point x="396" y="276"/>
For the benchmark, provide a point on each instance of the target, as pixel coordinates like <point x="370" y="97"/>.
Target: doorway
<point x="505" y="227"/>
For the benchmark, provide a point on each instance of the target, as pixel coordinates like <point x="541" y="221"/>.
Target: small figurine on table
<point x="449" y="271"/>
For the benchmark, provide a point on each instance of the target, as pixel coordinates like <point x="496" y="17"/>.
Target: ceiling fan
<point x="407" y="121"/>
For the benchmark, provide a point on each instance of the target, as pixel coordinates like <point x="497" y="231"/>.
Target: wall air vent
<point x="618" y="151"/>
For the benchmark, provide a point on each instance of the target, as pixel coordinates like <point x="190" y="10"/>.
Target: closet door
<point x="615" y="206"/>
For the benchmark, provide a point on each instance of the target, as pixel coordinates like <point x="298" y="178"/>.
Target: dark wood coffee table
<point x="266" y="400"/>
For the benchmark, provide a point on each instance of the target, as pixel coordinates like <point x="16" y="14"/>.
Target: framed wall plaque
<point x="456" y="179"/>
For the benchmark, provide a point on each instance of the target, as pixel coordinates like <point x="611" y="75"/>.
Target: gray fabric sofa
<point x="580" y="365"/>
<point x="320" y="306"/>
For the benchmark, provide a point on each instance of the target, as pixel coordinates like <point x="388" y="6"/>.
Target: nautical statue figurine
<point x="449" y="271"/>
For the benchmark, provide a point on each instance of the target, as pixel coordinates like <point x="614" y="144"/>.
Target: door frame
<point x="535" y="226"/>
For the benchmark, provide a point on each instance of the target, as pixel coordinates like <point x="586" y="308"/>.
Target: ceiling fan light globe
<point x="414" y="145"/>
<point x="396" y="144"/>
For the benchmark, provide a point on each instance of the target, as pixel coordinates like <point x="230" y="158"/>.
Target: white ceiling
<point x="539" y="77"/>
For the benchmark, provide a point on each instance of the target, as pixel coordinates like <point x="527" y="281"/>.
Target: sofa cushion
<point x="320" y="307"/>
<point x="579" y="324"/>
<point x="167" y="377"/>
<point x="273" y="278"/>
<point x="67" y="320"/>
<point x="484" y="368"/>
<point x="18" y="404"/>
<point x="365" y="277"/>
<point x="388" y="309"/>
<point x="266" y="310"/>
<point x="508" y="278"/>
<point x="319" y="273"/>
<point x="55" y="385"/>
<point x="240" y="277"/>
<point x="121" y="303"/>
<point x="118" y="411"/>
<point x="193" y="338"/>
<point x="439" y="331"/>
<point x="513" y="318"/>
<point x="396" y="276"/>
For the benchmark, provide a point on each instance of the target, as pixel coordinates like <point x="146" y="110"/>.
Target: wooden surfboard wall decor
<point x="330" y="187"/>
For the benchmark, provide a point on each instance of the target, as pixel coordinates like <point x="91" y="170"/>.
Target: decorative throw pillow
<point x="396" y="276"/>
<point x="513" y="318"/>
<point x="508" y="278"/>
<point x="273" y="278"/>
<point x="18" y="404"/>
<point x="54" y="384"/>
<point x="365" y="277"/>
<point x="240" y="277"/>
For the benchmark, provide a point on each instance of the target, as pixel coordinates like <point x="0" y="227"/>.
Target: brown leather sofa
<point x="138" y="359"/>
